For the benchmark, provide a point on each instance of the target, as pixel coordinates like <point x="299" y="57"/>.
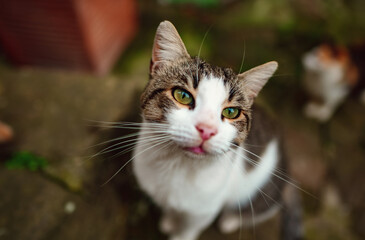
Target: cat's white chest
<point x="184" y="187"/>
<point x="179" y="186"/>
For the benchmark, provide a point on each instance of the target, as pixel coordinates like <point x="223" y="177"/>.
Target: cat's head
<point x="331" y="62"/>
<point x="206" y="108"/>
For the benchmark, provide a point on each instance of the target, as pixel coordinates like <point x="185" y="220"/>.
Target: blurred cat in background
<point x="329" y="76"/>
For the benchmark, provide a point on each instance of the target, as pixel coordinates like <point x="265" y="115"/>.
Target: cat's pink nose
<point x="206" y="131"/>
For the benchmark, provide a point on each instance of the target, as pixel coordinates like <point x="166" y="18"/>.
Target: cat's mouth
<point x="197" y="150"/>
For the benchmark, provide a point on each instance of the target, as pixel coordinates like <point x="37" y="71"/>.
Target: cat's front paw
<point x="181" y="238"/>
<point x="321" y="113"/>
<point x="229" y="222"/>
<point x="167" y="225"/>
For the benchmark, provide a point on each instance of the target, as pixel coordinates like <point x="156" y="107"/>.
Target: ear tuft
<point x="255" y="78"/>
<point x="168" y="45"/>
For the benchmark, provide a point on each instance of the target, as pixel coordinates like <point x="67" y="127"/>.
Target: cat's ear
<point x="254" y="79"/>
<point x="167" y="46"/>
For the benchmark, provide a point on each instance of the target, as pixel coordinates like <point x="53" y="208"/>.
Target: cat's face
<point x="206" y="108"/>
<point x="330" y="62"/>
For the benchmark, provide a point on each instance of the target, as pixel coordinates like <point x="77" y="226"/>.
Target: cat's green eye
<point x="231" y="112"/>
<point x="182" y="96"/>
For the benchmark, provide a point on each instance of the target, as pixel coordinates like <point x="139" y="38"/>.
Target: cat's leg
<point x="169" y="222"/>
<point x="320" y="112"/>
<point x="231" y="221"/>
<point x="190" y="225"/>
<point x="332" y="98"/>
<point x="291" y="217"/>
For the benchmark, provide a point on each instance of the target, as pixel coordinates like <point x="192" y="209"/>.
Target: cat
<point x="204" y="149"/>
<point x="329" y="76"/>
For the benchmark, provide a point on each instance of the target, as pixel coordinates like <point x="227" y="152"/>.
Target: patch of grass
<point x="26" y="160"/>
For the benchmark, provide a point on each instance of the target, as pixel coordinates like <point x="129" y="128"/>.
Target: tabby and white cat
<point x="197" y="156"/>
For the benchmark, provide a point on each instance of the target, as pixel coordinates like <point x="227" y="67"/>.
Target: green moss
<point x="26" y="160"/>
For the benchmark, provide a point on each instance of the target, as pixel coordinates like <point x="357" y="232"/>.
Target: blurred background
<point x="65" y="64"/>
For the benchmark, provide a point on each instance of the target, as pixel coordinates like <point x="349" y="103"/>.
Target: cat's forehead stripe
<point x="195" y="81"/>
<point x="212" y="91"/>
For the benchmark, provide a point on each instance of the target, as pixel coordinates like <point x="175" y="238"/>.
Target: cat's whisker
<point x="281" y="178"/>
<point x="129" y="123"/>
<point x="136" y="134"/>
<point x="139" y="153"/>
<point x="115" y="139"/>
<point x="252" y="210"/>
<point x="200" y="48"/>
<point x="182" y="135"/>
<point x="268" y="196"/>
<point x="251" y="205"/>
<point x="253" y="217"/>
<point x="258" y="158"/>
<point x="129" y="136"/>
<point x="134" y="128"/>
<point x="239" y="208"/>
<point x="243" y="56"/>
<point x="141" y="140"/>
<point x="253" y="162"/>
<point x="142" y="143"/>
<point x="259" y="189"/>
<point x="241" y="223"/>
<point x="111" y="148"/>
<point x="132" y="146"/>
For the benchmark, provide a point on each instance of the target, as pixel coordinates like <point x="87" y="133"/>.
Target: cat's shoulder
<point x="264" y="126"/>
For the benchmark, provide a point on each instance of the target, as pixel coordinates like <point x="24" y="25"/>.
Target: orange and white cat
<point x="329" y="76"/>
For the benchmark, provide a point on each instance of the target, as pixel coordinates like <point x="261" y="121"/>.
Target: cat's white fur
<point x="199" y="187"/>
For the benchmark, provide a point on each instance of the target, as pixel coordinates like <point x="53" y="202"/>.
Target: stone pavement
<point x="50" y="113"/>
